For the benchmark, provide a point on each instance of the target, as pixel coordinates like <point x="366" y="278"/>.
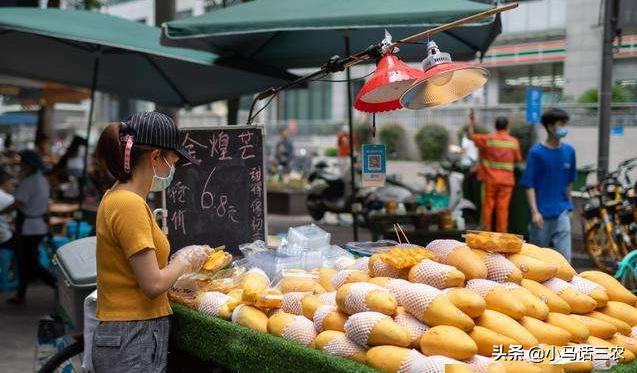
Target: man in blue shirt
<point x="549" y="173"/>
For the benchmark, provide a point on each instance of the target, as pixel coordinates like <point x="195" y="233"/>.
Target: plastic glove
<point x="193" y="257"/>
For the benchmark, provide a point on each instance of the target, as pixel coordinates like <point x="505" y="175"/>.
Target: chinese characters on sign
<point x="221" y="200"/>
<point x="256" y="190"/>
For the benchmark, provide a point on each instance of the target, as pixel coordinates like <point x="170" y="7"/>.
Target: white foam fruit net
<point x="340" y="277"/>
<point x="360" y="264"/>
<point x="236" y="312"/>
<point x="431" y="364"/>
<point x="556" y="285"/>
<point x="211" y="302"/>
<point x="633" y="332"/>
<point x="583" y="285"/>
<point x="498" y="267"/>
<point x="431" y="273"/>
<point x="320" y="314"/>
<point x="343" y="263"/>
<point x="412" y="325"/>
<point x="342" y="346"/>
<point x="355" y="300"/>
<point x="382" y="269"/>
<point x="479" y="364"/>
<point x="396" y="287"/>
<point x="411" y="363"/>
<point x="416" y="298"/>
<point x="328" y="298"/>
<point x="481" y="286"/>
<point x="442" y="248"/>
<point x="301" y="331"/>
<point x="359" y="326"/>
<point x="510" y="285"/>
<point x="292" y="302"/>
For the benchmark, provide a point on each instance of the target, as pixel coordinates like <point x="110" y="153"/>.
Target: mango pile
<point x="449" y="307"/>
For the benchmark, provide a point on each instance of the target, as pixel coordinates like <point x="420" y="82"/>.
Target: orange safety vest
<point x="498" y="154"/>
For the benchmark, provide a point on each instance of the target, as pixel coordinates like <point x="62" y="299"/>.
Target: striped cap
<point x="153" y="128"/>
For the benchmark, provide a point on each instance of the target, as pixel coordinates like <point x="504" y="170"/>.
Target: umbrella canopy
<point x="62" y="46"/>
<point x="293" y="33"/>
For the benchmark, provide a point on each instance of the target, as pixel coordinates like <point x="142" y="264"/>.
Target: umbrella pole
<point x="96" y="66"/>
<point x="350" y="125"/>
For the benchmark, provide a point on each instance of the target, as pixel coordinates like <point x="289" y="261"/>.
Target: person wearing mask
<point x="284" y="151"/>
<point x="499" y="152"/>
<point x="550" y="171"/>
<point x="6" y="200"/>
<point x="133" y="268"/>
<point x="31" y="205"/>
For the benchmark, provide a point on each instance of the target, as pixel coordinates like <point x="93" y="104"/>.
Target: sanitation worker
<point x="499" y="152"/>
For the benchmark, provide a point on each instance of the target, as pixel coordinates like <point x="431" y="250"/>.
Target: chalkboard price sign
<point x="220" y="201"/>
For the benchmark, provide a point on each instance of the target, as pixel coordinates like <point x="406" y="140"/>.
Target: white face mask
<point x="162" y="182"/>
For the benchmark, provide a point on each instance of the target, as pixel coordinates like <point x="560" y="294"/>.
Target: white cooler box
<point x="77" y="264"/>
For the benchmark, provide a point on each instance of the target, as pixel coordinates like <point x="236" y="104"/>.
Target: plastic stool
<point x="71" y="229"/>
<point x="8" y="280"/>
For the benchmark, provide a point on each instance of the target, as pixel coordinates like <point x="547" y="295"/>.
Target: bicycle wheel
<point x="67" y="360"/>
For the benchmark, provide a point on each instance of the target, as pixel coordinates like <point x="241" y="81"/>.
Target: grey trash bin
<point x="76" y="262"/>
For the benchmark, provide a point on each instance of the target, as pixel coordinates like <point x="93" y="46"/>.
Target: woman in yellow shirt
<point x="133" y="271"/>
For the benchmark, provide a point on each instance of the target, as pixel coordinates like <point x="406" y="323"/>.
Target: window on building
<point x="183" y="14"/>
<point x="115" y="2"/>
<point x="514" y="80"/>
<point x="313" y="103"/>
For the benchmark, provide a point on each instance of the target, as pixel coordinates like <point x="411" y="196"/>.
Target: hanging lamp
<point x="390" y="80"/>
<point x="443" y="81"/>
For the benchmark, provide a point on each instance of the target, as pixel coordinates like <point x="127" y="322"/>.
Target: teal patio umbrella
<point x="296" y="34"/>
<point x="114" y="55"/>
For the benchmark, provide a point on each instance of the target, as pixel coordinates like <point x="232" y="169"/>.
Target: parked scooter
<point x="329" y="188"/>
<point x="445" y="179"/>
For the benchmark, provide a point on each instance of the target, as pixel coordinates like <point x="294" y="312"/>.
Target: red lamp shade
<point x="443" y="81"/>
<point x="383" y="91"/>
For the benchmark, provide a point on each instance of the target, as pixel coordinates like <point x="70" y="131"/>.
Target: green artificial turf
<point x="622" y="368"/>
<point x="240" y="349"/>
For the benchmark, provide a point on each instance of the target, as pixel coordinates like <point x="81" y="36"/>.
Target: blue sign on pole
<point x="533" y="105"/>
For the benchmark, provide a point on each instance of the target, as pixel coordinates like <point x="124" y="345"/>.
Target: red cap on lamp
<point x="390" y="80"/>
<point x="443" y="81"/>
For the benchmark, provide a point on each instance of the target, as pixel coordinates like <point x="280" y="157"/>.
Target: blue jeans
<point x="555" y="233"/>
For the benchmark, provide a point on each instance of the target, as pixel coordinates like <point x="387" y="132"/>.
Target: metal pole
<point x="96" y="67"/>
<point x="605" y="92"/>
<point x="350" y="125"/>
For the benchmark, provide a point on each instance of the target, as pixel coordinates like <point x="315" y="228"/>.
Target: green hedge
<point x="240" y="349"/>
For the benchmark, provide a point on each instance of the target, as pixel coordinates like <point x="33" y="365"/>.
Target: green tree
<point x="620" y="94"/>
<point x="392" y="136"/>
<point x="525" y="134"/>
<point x="432" y="141"/>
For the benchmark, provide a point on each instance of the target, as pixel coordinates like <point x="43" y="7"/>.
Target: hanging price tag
<point x="374" y="162"/>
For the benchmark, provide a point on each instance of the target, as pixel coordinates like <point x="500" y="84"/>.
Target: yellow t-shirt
<point x="125" y="226"/>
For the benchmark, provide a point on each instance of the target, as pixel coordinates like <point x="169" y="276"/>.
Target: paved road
<point x="18" y="327"/>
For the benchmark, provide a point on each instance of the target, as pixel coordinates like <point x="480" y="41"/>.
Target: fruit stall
<point x="402" y="308"/>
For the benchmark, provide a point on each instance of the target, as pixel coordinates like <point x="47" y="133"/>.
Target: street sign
<point x="533" y="105"/>
<point x="617" y="130"/>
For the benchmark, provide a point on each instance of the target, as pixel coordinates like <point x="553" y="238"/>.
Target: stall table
<point x="421" y="228"/>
